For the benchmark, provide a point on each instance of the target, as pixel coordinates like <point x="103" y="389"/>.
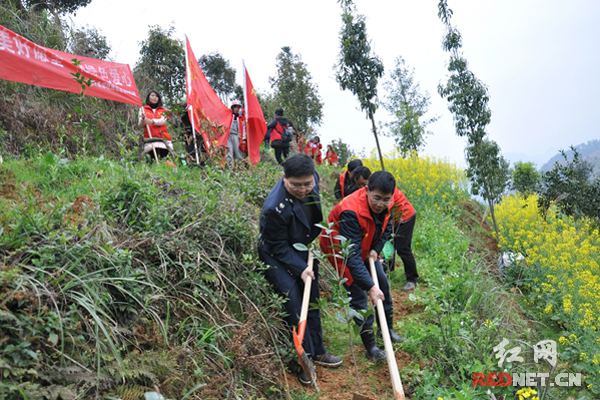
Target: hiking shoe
<point x="409" y="286"/>
<point x="304" y="379"/>
<point x="327" y="360"/>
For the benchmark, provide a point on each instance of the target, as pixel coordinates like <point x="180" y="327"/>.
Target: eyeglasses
<point x="380" y="201"/>
<point x="307" y="185"/>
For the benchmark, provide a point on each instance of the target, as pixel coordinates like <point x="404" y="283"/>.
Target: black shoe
<point x="327" y="360"/>
<point x="409" y="286"/>
<point x="304" y="379"/>
<point x="374" y="353"/>
<point x="394" y="337"/>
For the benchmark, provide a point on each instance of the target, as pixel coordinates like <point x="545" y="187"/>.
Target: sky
<point x="539" y="59"/>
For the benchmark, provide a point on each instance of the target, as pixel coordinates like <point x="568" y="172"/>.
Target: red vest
<point x="401" y="208"/>
<point x="158" y="131"/>
<point x="343" y="183"/>
<point x="277" y="132"/>
<point x="358" y="203"/>
<point x="331" y="157"/>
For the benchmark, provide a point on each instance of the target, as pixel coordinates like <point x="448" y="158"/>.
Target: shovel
<point x="305" y="362"/>
<point x="389" y="350"/>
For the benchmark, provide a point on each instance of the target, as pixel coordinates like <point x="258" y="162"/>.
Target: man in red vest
<point x="403" y="225"/>
<point x="363" y="219"/>
<point x="345" y="185"/>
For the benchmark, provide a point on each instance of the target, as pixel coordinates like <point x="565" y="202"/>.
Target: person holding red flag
<point x="235" y="132"/>
<point x="152" y="117"/>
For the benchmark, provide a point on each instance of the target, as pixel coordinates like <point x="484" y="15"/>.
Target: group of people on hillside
<point x="371" y="207"/>
<point x="279" y="136"/>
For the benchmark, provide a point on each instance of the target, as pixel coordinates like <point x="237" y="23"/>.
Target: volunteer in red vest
<point x="331" y="156"/>
<point x="236" y="133"/>
<point x="276" y="127"/>
<point x="345" y="185"/>
<point x="363" y="218"/>
<point x="315" y="150"/>
<point x="403" y="225"/>
<point x="152" y="118"/>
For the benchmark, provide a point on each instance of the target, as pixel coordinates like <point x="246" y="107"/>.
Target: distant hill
<point x="589" y="152"/>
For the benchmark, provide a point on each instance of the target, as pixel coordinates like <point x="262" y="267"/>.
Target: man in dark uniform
<point x="288" y="217"/>
<point x="345" y="184"/>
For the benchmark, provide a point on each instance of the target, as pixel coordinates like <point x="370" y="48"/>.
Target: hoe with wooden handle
<point x="305" y="362"/>
<point x="389" y="350"/>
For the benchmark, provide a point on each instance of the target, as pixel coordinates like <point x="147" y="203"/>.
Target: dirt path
<point x="340" y="383"/>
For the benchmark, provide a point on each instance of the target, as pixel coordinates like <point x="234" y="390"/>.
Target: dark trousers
<point x="282" y="149"/>
<point x="403" y="244"/>
<point x="361" y="299"/>
<point x="292" y="290"/>
<point x="313" y="337"/>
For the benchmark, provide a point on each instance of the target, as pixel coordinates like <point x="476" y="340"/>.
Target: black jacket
<point x="349" y="187"/>
<point x="283" y="224"/>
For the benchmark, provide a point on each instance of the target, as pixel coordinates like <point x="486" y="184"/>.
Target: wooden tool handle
<point x="387" y="342"/>
<point x="307" y="285"/>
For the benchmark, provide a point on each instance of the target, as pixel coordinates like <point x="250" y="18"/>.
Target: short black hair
<point x="362" y="171"/>
<point x="298" y="165"/>
<point x="279" y="112"/>
<point x="353" y="164"/>
<point x="160" y="103"/>
<point x="382" y="181"/>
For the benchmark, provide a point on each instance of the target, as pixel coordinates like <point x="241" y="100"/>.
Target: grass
<point x="136" y="273"/>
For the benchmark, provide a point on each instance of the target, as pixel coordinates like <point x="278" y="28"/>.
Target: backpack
<point x="287" y="133"/>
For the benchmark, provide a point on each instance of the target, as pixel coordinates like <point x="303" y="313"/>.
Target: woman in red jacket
<point x="152" y="117"/>
<point x="331" y="156"/>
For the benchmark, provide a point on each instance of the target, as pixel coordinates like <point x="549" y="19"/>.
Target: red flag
<point x="24" y="61"/>
<point x="206" y="105"/>
<point x="256" y="124"/>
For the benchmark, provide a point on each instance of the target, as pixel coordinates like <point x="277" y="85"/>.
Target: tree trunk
<point x="493" y="214"/>
<point x="372" y="118"/>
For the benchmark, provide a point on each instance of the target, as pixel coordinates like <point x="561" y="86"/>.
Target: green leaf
<point x="300" y="247"/>
<point x="53" y="338"/>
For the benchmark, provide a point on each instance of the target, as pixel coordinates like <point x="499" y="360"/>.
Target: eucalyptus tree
<point x="358" y="68"/>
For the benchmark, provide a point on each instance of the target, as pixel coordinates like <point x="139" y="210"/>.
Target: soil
<point x="77" y="210"/>
<point x="340" y="383"/>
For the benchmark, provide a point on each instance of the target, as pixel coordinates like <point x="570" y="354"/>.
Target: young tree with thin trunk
<point x="408" y="106"/>
<point x="468" y="96"/>
<point x="358" y="69"/>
